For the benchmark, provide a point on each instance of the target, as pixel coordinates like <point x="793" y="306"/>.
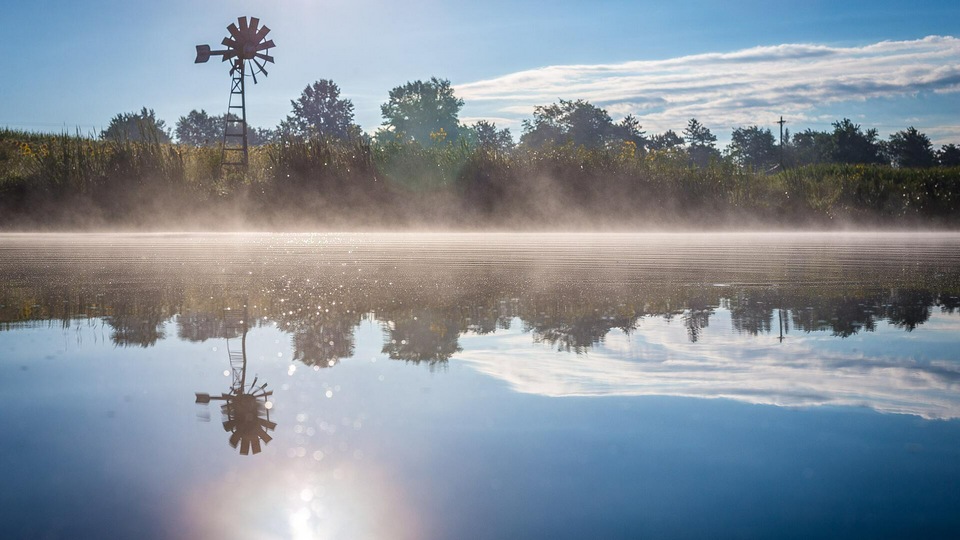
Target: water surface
<point x="480" y="385"/>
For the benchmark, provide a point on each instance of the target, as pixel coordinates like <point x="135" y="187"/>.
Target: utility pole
<point x="781" y="122"/>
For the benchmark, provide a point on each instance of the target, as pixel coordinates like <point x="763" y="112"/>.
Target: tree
<point x="701" y="143"/>
<point x="423" y="111"/>
<point x="319" y="112"/>
<point x="629" y="130"/>
<point x="810" y="146"/>
<point x="665" y="141"/>
<point x="198" y="128"/>
<point x="852" y="145"/>
<point x="577" y="122"/>
<point x="137" y="126"/>
<point x="491" y="138"/>
<point x="260" y="136"/>
<point x="201" y="129"/>
<point x="696" y="134"/>
<point x="910" y="148"/>
<point x="753" y="147"/>
<point x="949" y="155"/>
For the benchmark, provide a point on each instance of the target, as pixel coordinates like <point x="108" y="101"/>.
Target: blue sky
<point x="76" y="64"/>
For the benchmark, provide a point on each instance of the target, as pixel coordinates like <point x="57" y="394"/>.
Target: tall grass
<point x="63" y="181"/>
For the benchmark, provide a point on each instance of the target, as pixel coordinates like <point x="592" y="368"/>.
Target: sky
<point x="884" y="64"/>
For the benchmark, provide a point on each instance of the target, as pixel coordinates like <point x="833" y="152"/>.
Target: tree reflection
<point x="576" y="334"/>
<point x="324" y="342"/>
<point x="137" y="323"/>
<point x="422" y="335"/>
<point x="908" y="309"/>
<point x="697" y="317"/>
<point x="750" y="314"/>
<point x="423" y="325"/>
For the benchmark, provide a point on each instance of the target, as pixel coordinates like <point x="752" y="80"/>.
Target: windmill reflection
<point x="246" y="408"/>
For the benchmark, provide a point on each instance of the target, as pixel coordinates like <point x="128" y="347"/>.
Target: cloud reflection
<point x="658" y="360"/>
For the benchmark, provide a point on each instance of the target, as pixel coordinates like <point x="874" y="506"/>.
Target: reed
<point x="62" y="181"/>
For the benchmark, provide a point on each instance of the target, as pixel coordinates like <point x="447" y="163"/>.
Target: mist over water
<point x="648" y="368"/>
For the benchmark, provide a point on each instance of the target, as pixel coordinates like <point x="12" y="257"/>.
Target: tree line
<point x="425" y="328"/>
<point x="571" y="167"/>
<point x="427" y="113"/>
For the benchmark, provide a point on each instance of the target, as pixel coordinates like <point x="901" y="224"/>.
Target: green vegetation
<point x="574" y="167"/>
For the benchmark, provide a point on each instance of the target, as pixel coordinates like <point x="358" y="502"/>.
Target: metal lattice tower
<point x="233" y="151"/>
<point x="247" y="49"/>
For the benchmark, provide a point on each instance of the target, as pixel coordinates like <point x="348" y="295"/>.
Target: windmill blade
<point x="264" y="435"/>
<point x="268" y="424"/>
<point x="261" y="34"/>
<point x="256" y="445"/>
<point x="266" y="57"/>
<point x="234" y="439"/>
<point x="233" y="44"/>
<point x="229" y="425"/>
<point x="253" y="73"/>
<point x="245" y="447"/>
<point x="254" y="23"/>
<point x="243" y="23"/>
<point x="259" y="65"/>
<point x="266" y="45"/>
<point x="235" y="32"/>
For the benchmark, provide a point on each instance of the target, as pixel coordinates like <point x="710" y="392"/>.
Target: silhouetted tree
<point x="853" y="145"/>
<point x="629" y="130"/>
<point x="491" y="138"/>
<point x="423" y="111"/>
<point x="320" y="112"/>
<point x="261" y="136"/>
<point x="577" y="122"/>
<point x="949" y="155"/>
<point x="808" y="147"/>
<point x="665" y="141"/>
<point x="753" y="147"/>
<point x="198" y="128"/>
<point x="137" y="126"/>
<point x="701" y="143"/>
<point x="910" y="148"/>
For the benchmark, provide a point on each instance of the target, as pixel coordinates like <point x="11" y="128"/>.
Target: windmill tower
<point x="246" y="408"/>
<point x="247" y="49"/>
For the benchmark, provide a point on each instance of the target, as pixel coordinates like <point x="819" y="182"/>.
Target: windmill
<point x="246" y="409"/>
<point x="247" y="50"/>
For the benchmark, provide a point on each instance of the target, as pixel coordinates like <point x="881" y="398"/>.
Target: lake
<point x="778" y="385"/>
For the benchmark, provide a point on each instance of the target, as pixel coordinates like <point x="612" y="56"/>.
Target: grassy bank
<point x="67" y="182"/>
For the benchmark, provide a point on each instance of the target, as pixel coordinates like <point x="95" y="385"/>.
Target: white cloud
<point x="731" y="89"/>
<point x="806" y="370"/>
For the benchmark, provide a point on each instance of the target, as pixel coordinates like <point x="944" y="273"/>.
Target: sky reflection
<point x="481" y="398"/>
<point x="881" y="370"/>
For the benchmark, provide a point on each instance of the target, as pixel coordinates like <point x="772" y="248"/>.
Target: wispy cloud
<point x="806" y="370"/>
<point x="730" y="89"/>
